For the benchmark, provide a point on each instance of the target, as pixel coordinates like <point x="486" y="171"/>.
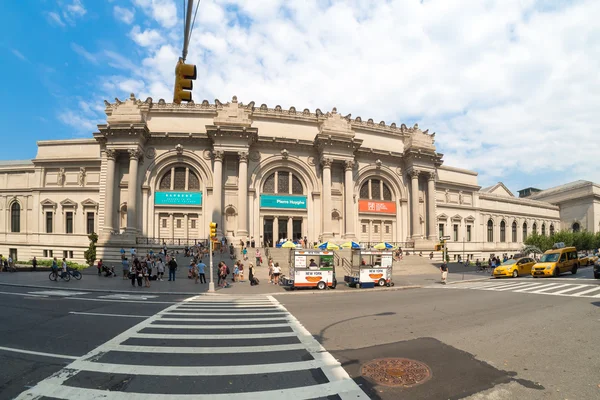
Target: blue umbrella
<point x="350" y="245"/>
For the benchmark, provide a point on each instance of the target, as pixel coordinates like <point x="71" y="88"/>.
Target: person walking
<point x="241" y="268"/>
<point x="251" y="274"/>
<point x="195" y="272"/>
<point x="172" y="269"/>
<point x="245" y="253"/>
<point x="34" y="263"/>
<point x="276" y="273"/>
<point x="201" y="268"/>
<point x="126" y="268"/>
<point x="258" y="257"/>
<point x="160" y="268"/>
<point x="444" y="270"/>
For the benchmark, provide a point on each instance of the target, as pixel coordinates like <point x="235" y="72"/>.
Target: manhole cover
<point x="396" y="372"/>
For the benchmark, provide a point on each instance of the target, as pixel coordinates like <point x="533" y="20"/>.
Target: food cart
<point x="311" y="269"/>
<point x="370" y="268"/>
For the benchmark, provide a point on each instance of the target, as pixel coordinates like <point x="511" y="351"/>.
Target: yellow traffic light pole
<point x="185" y="73"/>
<point x="211" y="236"/>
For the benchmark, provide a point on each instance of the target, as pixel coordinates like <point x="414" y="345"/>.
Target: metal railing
<point x="146" y="241"/>
<point x="403" y="245"/>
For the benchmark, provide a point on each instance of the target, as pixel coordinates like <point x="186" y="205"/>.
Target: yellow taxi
<point x="556" y="261"/>
<point x="587" y="259"/>
<point x="514" y="267"/>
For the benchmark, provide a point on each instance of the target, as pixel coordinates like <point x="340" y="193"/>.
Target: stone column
<point x="431" y="213"/>
<point x="290" y="228"/>
<point x="217" y="214"/>
<point x="326" y="231"/>
<point x="109" y="195"/>
<point x="132" y="190"/>
<point x="414" y="175"/>
<point x="349" y="200"/>
<point x="145" y="215"/>
<point x="171" y="226"/>
<point x="186" y="220"/>
<point x="243" y="195"/>
<point x="275" y="231"/>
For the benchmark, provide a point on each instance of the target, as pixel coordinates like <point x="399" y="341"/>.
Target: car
<point x="597" y="269"/>
<point x="556" y="261"/>
<point x="587" y="259"/>
<point x="514" y="267"/>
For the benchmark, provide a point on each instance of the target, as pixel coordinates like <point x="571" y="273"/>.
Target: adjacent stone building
<point x="157" y="172"/>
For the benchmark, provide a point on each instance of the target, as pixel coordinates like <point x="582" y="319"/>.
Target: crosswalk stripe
<point x="217" y="336"/>
<point x="508" y="287"/>
<point x="525" y="286"/>
<point x="207" y="350"/>
<point x="585" y="292"/>
<point x="550" y="288"/>
<point x="569" y="289"/>
<point x="251" y="326"/>
<point x="217" y="314"/>
<point x="282" y="318"/>
<point x="53" y="388"/>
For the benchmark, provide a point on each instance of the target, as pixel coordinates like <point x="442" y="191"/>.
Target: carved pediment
<point x="233" y="114"/>
<point x="442" y="217"/>
<point x="470" y="218"/>
<point x="48" y="203"/>
<point x="336" y="125"/>
<point x="89" y="203"/>
<point x="68" y="203"/>
<point x="457" y="218"/>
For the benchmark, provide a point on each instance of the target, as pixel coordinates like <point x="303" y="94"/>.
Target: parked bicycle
<point x="9" y="268"/>
<point x="74" y="273"/>
<point x="54" y="275"/>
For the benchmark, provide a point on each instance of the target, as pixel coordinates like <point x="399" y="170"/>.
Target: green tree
<point x="90" y="253"/>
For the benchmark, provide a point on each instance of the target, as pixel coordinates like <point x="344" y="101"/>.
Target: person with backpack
<point x="172" y="268"/>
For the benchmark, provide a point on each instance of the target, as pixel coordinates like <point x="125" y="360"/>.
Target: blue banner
<point x="178" y="198"/>
<point x="283" y="201"/>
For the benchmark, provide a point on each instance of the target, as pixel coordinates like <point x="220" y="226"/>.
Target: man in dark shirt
<point x="444" y="269"/>
<point x="172" y="268"/>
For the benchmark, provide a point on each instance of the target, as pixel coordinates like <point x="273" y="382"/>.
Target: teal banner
<point x="178" y="198"/>
<point x="283" y="201"/>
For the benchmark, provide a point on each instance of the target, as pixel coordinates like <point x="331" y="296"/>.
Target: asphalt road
<point x="495" y="339"/>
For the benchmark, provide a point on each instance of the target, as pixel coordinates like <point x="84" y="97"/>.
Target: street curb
<point x="331" y="291"/>
<point x="469" y="280"/>
<point x="386" y="289"/>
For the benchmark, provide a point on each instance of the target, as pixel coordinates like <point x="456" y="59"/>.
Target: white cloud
<point x="119" y="61"/>
<point x="147" y="38"/>
<point x="75" y="9"/>
<point x="510" y="88"/>
<point x="163" y="11"/>
<point x="81" y="123"/>
<point x="84" y="53"/>
<point x="124" y="14"/>
<point x="55" y="19"/>
<point x="18" y="54"/>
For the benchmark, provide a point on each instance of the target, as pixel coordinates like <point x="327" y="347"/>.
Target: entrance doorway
<point x="297" y="229"/>
<point x="268" y="232"/>
<point x="282" y="225"/>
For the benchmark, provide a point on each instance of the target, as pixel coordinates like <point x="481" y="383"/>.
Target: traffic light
<point x="438" y="247"/>
<point x="213" y="230"/>
<point x="184" y="75"/>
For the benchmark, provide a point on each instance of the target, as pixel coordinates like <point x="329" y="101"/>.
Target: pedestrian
<point x="252" y="242"/>
<point x="137" y="273"/>
<point x="245" y="253"/>
<point x="236" y="272"/>
<point x="195" y="272"/>
<point x="241" y="268"/>
<point x="126" y="268"/>
<point x="64" y="266"/>
<point x="444" y="269"/>
<point x="271" y="268"/>
<point x="251" y="274"/>
<point x="276" y="273"/>
<point x="258" y="257"/>
<point x="146" y="273"/>
<point x="201" y="268"/>
<point x="99" y="266"/>
<point x="172" y="268"/>
<point x="122" y="253"/>
<point x="160" y="268"/>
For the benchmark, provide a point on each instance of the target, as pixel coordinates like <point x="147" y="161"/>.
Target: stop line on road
<point x="532" y="287"/>
<point x="207" y="348"/>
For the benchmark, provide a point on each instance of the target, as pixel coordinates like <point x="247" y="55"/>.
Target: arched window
<point x="490" y="231"/>
<point x="514" y="231"/>
<point x="375" y="189"/>
<point x="543" y="229"/>
<point x="503" y="231"/>
<point x="576" y="227"/>
<point x="15" y="217"/>
<point x="283" y="182"/>
<point x="551" y="229"/>
<point x="534" y="228"/>
<point x="179" y="179"/>
<point x="524" y="231"/>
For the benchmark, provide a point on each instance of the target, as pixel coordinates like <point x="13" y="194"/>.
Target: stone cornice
<point x="516" y="200"/>
<point x="461" y="170"/>
<point x="443" y="183"/>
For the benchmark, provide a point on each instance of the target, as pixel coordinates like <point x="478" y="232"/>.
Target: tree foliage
<point x="90" y="253"/>
<point x="580" y="240"/>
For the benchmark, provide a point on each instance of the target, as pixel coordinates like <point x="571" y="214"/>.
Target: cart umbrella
<point x="327" y="246"/>
<point x="288" y="245"/>
<point x="383" y="246"/>
<point x="350" y="245"/>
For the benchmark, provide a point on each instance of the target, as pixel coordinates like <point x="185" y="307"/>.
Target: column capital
<point x="218" y="155"/>
<point x="414" y="173"/>
<point x="243" y="155"/>
<point x="134" y="154"/>
<point x="349" y="165"/>
<point x="326" y="162"/>
<point x="111" y="154"/>
<point x="431" y="176"/>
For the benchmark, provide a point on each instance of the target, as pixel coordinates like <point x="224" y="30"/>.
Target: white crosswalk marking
<point x="254" y="345"/>
<point x="526" y="286"/>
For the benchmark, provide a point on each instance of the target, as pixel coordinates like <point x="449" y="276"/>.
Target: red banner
<point x="379" y="207"/>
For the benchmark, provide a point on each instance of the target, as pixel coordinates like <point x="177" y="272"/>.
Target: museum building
<point x="158" y="172"/>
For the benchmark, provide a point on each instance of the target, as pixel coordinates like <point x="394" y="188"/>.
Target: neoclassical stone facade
<point x="159" y="172"/>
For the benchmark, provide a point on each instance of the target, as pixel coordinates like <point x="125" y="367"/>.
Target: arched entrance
<point x="377" y="211"/>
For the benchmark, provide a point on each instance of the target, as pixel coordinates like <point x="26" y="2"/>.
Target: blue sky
<point x="511" y="87"/>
